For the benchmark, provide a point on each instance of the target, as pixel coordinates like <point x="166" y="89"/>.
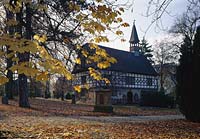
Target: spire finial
<point x="134" y="36"/>
<point x="134" y="40"/>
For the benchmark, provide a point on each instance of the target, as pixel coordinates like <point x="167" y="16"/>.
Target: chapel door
<point x="101" y="99"/>
<point x="129" y="97"/>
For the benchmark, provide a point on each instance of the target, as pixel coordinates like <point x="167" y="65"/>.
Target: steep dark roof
<point x="134" y="36"/>
<point x="127" y="62"/>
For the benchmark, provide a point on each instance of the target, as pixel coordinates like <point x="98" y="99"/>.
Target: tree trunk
<point x="23" y="91"/>
<point x="47" y="89"/>
<point x="62" y="95"/>
<point x="24" y="57"/>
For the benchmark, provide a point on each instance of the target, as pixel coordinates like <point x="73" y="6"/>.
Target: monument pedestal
<point x="103" y="101"/>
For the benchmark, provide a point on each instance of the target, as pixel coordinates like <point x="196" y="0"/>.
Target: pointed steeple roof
<point x="134" y="36"/>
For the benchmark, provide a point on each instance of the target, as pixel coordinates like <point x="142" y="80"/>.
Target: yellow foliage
<point x="10" y="55"/>
<point x="119" y="19"/>
<point x="123" y="40"/>
<point x="106" y="80"/>
<point x="93" y="27"/>
<point x="95" y="74"/>
<point x="41" y="39"/>
<point x="46" y="62"/>
<point x="101" y="39"/>
<point x="78" y="61"/>
<point x="94" y="20"/>
<point x="3" y="80"/>
<point x="121" y="9"/>
<point x="17" y="35"/>
<point x="78" y="47"/>
<point x="101" y="52"/>
<point x="125" y="24"/>
<point x="93" y="46"/>
<point x="36" y="37"/>
<point x="112" y="60"/>
<point x="25" y="68"/>
<point x="95" y="58"/>
<point x="77" y="88"/>
<point x="103" y="65"/>
<point x="15" y="59"/>
<point x="84" y="53"/>
<point x="11" y="22"/>
<point x="14" y="9"/>
<point x="119" y="32"/>
<point x="86" y="86"/>
<point x="43" y="76"/>
<point x="2" y="53"/>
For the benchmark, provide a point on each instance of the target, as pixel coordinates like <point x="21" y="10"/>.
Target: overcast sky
<point x="137" y="12"/>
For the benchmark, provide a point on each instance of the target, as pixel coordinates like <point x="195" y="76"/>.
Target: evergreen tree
<point x="146" y="49"/>
<point x="187" y="78"/>
<point x="194" y="97"/>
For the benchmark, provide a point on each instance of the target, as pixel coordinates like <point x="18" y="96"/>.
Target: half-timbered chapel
<point x="131" y="75"/>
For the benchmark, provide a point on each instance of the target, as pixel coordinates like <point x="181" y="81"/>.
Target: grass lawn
<point x="60" y="120"/>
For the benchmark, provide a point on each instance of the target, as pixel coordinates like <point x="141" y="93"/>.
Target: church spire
<point x="134" y="40"/>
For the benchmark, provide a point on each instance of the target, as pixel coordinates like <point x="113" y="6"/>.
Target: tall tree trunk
<point x="24" y="57"/>
<point x="23" y="91"/>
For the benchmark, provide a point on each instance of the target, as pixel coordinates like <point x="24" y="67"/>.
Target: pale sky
<point x="176" y="8"/>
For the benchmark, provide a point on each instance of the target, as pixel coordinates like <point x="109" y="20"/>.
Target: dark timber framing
<point x="131" y="75"/>
<point x="118" y="80"/>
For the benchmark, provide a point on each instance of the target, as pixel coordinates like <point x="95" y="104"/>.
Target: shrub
<point x="156" y="99"/>
<point x="68" y="96"/>
<point x="32" y="94"/>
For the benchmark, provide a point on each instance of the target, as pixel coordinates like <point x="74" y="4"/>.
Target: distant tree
<point x="188" y="76"/>
<point x="36" y="88"/>
<point x="146" y="49"/>
<point x="188" y="69"/>
<point x="164" y="53"/>
<point x="187" y="23"/>
<point x="61" y="87"/>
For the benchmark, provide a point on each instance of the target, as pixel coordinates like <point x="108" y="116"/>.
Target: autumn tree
<point x="10" y="29"/>
<point x="49" y="33"/>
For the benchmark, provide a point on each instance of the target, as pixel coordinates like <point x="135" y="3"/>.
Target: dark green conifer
<point x="188" y="75"/>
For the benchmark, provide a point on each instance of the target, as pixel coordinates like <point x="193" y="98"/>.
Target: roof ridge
<point x="115" y="49"/>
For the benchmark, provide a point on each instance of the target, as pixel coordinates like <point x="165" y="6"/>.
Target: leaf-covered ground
<point x="62" y="122"/>
<point x="45" y="107"/>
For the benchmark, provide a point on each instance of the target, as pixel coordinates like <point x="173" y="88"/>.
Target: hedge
<point x="156" y="99"/>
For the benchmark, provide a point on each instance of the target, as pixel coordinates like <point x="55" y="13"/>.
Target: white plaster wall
<point x="123" y="93"/>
